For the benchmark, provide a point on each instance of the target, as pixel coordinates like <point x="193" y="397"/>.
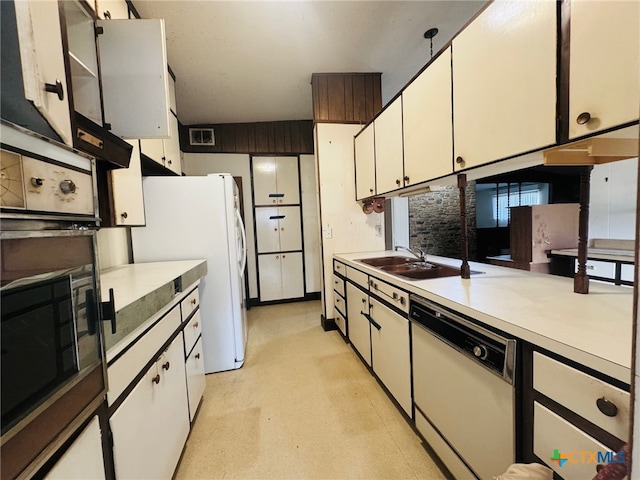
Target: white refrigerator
<point x="199" y="217"/>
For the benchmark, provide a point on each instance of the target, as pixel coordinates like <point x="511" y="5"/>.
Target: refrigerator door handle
<point x="244" y="242"/>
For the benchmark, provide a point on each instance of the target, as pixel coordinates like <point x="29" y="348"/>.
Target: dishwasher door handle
<point x="371" y="320"/>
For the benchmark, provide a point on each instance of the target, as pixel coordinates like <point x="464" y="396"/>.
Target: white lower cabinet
<point x="194" y="366"/>
<point x="83" y="460"/>
<point x="390" y="352"/>
<point x="151" y="426"/>
<point x="359" y="326"/>
<point x="281" y="276"/>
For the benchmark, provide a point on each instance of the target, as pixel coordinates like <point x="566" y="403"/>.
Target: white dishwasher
<point x="463" y="377"/>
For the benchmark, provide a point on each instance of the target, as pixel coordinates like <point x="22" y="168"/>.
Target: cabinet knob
<point x="277" y="257"/>
<point x="36" y="181"/>
<point x="398" y="181"/>
<point x="459" y="160"/>
<point x="284" y="256"/>
<point x="371" y="190"/>
<point x="156" y="379"/>
<point x="274" y="201"/>
<point x="280" y="201"/>
<point x="607" y="407"/>
<point x="364" y="300"/>
<point x="169" y="162"/>
<point x="195" y="325"/>
<point x="282" y="228"/>
<point x="107" y="14"/>
<point x="55" y="88"/>
<point x="406" y="179"/>
<point x="124" y="215"/>
<point x="197" y="356"/>
<point x="166" y="366"/>
<point x="583" y="118"/>
<point x="193" y="301"/>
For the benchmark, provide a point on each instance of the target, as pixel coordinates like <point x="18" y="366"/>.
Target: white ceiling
<point x="250" y="61"/>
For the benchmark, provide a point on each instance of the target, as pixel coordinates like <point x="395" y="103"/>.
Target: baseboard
<point x="328" y="324"/>
<point x="255" y="302"/>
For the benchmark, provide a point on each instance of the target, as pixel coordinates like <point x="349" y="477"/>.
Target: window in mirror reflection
<point x="493" y="201"/>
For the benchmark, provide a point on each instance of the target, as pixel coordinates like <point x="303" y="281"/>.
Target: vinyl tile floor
<point x="303" y="406"/>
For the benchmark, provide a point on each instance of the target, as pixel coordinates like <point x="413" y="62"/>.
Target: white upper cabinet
<point x="388" y="148"/>
<point x="427" y="122"/>
<point x="604" y="65"/>
<point x="365" y="163"/>
<point x="112" y="9"/>
<point x="126" y="184"/>
<point x="171" y="145"/>
<point x="504" y="82"/>
<point x="275" y="181"/>
<point x="133" y="62"/>
<point x="42" y="58"/>
<point x="172" y="95"/>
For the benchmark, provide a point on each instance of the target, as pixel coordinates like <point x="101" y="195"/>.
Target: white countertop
<point x="593" y="330"/>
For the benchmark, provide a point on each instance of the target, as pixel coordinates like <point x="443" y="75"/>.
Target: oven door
<point x="51" y="338"/>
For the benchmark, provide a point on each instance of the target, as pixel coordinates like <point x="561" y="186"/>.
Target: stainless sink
<point x="411" y="268"/>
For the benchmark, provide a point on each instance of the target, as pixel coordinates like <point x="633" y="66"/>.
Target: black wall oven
<point x="53" y="377"/>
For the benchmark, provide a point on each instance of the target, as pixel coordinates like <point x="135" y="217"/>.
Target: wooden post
<point x="581" y="279"/>
<point x="465" y="271"/>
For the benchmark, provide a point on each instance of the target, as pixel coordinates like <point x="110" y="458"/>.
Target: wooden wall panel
<point x="346" y="97"/>
<point x="294" y="136"/>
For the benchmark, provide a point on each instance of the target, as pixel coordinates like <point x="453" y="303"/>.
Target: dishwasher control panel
<point x="494" y="352"/>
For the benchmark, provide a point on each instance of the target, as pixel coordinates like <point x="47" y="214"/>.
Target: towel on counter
<point x="526" y="471"/>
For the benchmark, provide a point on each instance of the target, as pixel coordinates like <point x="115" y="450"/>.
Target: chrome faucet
<point x="418" y="252"/>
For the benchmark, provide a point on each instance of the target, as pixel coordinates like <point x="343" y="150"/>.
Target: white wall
<point x="238" y="166"/>
<point x="345" y="228"/>
<point x="612" y="208"/>
<point x="113" y="247"/>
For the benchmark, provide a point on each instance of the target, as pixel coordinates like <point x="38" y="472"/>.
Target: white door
<point x="194" y="366"/>
<point x="267" y="229"/>
<point x="365" y="163"/>
<point x="289" y="228"/>
<point x="359" y="326"/>
<point x="428" y="144"/>
<point x="128" y="201"/>
<point x="264" y="181"/>
<point x="270" y="277"/>
<point x="287" y="180"/>
<point x="153" y="148"/>
<point x="604" y="64"/>
<point x="292" y="275"/>
<point x="172" y="147"/>
<point x="388" y="148"/>
<point x="42" y="59"/>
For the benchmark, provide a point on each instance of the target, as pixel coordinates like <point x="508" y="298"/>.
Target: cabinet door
<point x="388" y="148"/>
<point x="604" y="70"/>
<point x="292" y="275"/>
<point x="427" y="123"/>
<point x="504" y="101"/>
<point x="270" y="277"/>
<point x="126" y="184"/>
<point x="359" y="326"/>
<point x="83" y="460"/>
<point x="172" y="147"/>
<point x="264" y="180"/>
<point x="390" y="352"/>
<point x="133" y="63"/>
<point x="287" y="180"/>
<point x="42" y="60"/>
<point x="153" y="148"/>
<point x="112" y="9"/>
<point x="194" y="367"/>
<point x="365" y="163"/>
<point x="290" y="230"/>
<point x="267" y="229"/>
<point x="172" y="96"/>
<point x="152" y="424"/>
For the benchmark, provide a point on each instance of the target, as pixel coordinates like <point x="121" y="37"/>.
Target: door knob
<point x="55" y="88"/>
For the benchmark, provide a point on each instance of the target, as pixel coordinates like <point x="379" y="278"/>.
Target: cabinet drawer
<point x="341" y="322"/>
<point x="393" y="295"/>
<point x="191" y="332"/>
<point x="579" y="392"/>
<point x="338" y="302"/>
<point x="122" y="372"/>
<point x="190" y="303"/>
<point x="338" y="285"/>
<point x="356" y="276"/>
<point x="339" y="268"/>
<point x="194" y="367"/>
<point x="552" y="433"/>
